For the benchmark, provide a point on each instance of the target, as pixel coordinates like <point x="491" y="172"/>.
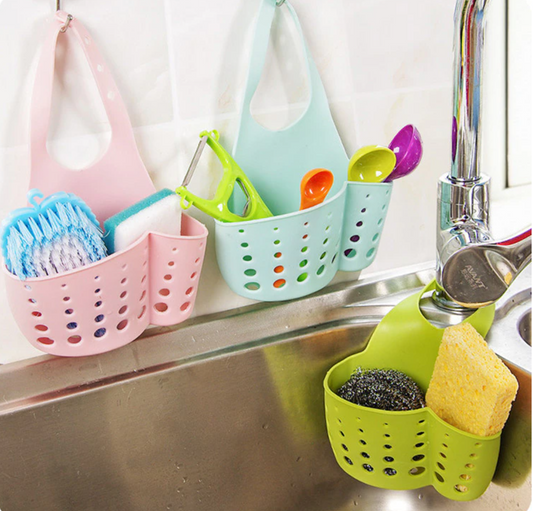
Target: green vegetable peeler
<point x="217" y="207"/>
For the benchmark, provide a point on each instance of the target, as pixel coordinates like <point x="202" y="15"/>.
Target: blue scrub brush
<point x="57" y="235"/>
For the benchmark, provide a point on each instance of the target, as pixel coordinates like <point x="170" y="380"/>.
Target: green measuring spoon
<point x="371" y="164"/>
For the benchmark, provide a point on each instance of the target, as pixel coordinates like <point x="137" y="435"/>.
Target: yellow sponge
<point x="471" y="388"/>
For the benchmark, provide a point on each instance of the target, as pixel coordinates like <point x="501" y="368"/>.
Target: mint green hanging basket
<point x="292" y="255"/>
<point x="296" y="253"/>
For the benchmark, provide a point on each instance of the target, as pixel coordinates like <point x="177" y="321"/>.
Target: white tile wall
<point x="181" y="66"/>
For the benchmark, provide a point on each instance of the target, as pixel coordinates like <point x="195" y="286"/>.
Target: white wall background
<point x="181" y="66"/>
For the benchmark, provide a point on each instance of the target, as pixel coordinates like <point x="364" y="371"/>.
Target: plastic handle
<point x="317" y="99"/>
<point x="43" y="85"/>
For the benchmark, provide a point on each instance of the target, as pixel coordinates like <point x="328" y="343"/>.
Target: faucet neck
<point x="468" y="67"/>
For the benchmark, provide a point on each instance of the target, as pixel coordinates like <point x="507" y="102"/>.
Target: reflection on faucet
<point x="478" y="275"/>
<point x="463" y="194"/>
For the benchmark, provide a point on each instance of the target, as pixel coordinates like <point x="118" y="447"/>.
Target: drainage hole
<point x="439" y="477"/>
<point x="122" y="325"/>
<point x="302" y="277"/>
<point x="45" y="340"/>
<point x="350" y="253"/>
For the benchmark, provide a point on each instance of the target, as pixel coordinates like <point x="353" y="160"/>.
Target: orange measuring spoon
<point x="314" y="187"/>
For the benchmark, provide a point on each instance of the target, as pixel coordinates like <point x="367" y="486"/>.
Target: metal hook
<point x="63" y="29"/>
<point x="279" y="3"/>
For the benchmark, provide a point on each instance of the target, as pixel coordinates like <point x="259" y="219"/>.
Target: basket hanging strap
<point x="405" y="333"/>
<point x="118" y="179"/>
<point x="276" y="161"/>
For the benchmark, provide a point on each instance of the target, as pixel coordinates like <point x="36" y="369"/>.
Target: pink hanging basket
<point x="109" y="303"/>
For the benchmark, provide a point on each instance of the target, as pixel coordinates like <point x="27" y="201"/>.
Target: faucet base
<point x="445" y="303"/>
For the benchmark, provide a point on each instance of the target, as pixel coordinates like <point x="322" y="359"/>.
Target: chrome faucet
<point x="473" y="270"/>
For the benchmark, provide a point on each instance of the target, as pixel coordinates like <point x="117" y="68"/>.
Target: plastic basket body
<point x="406" y="450"/>
<point x="108" y="304"/>
<point x="293" y="255"/>
<point x="412" y="449"/>
<point x="364" y="215"/>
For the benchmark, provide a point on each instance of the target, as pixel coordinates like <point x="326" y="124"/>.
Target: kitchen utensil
<point x="407" y="147"/>
<point x="478" y="275"/>
<point x="371" y="164"/>
<point x="314" y="187"/>
<point x="253" y="209"/>
<point x="58" y="235"/>
<point x="407" y="449"/>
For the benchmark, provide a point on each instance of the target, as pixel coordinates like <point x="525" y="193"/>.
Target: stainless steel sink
<point x="524" y="327"/>
<point x="226" y="413"/>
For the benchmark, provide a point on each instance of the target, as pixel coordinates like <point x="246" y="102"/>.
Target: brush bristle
<point x="60" y="239"/>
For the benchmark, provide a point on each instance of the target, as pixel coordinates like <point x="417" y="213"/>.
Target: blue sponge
<point x="160" y="212"/>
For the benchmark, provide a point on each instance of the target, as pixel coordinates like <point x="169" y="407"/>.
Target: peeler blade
<point x="195" y="160"/>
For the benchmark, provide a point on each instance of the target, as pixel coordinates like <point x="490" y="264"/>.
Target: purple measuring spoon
<point x="407" y="146"/>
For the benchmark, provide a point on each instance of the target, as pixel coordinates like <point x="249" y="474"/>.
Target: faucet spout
<point x="468" y="66"/>
<point x="469" y="261"/>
